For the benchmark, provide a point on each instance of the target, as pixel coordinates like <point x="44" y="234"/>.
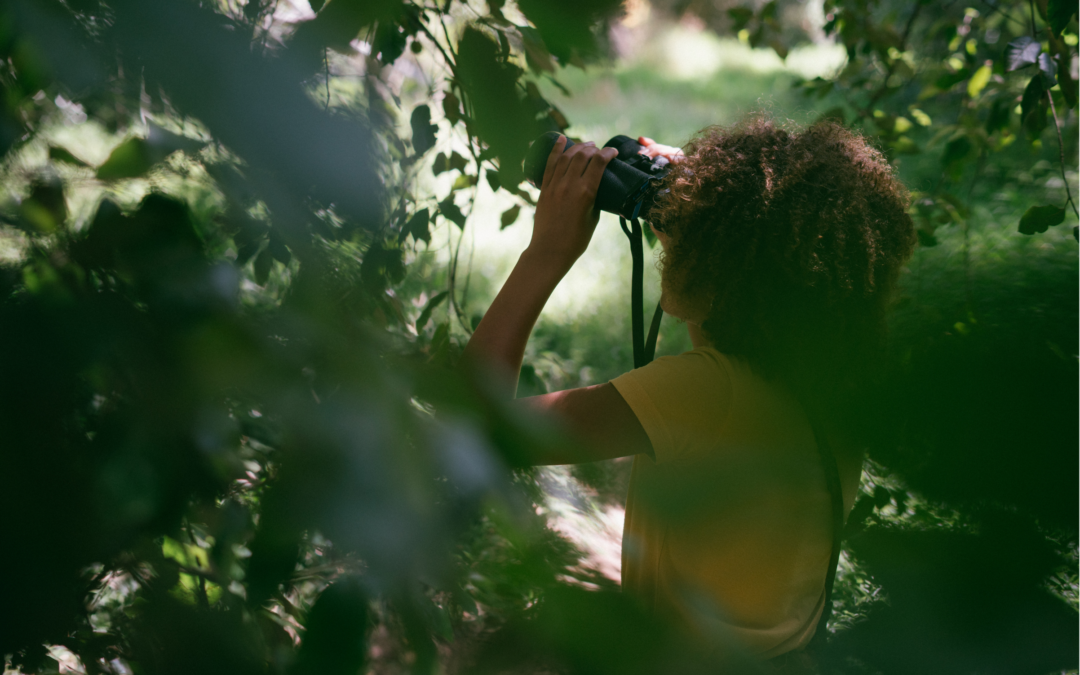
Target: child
<point x="780" y="251"/>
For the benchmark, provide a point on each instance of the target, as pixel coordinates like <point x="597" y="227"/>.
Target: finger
<point x="553" y="157"/>
<point x="580" y="160"/>
<point x="562" y="165"/>
<point x="597" y="165"/>
<point x="645" y="140"/>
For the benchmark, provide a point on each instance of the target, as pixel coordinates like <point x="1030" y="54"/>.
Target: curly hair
<point x="786" y="246"/>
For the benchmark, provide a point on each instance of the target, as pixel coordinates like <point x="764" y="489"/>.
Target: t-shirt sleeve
<point x="682" y="402"/>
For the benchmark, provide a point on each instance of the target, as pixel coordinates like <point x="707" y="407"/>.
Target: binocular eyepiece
<point x="631" y="181"/>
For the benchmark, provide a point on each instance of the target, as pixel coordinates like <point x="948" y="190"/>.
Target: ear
<point x="663" y="238"/>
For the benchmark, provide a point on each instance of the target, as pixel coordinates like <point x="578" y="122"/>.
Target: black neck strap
<point x="644" y="348"/>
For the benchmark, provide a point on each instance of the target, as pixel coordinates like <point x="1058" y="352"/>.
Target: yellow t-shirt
<point x="728" y="529"/>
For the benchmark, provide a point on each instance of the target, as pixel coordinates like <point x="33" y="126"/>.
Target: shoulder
<point x="681" y="399"/>
<point x="699" y="371"/>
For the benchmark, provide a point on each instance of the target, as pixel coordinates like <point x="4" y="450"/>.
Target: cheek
<point x="669" y="300"/>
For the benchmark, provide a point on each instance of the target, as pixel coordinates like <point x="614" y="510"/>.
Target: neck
<point x="697" y="336"/>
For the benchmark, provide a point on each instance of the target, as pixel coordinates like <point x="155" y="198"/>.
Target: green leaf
<point x="1039" y="218"/>
<point x="418" y="226"/>
<point x="439" y="351"/>
<point x="1058" y="14"/>
<point x="999" y="115"/>
<point x="492" y="177"/>
<point x="278" y="249"/>
<point x="438" y="621"/>
<point x="262" y="266"/>
<point x="440" y="164"/>
<point x="650" y="237"/>
<point x="451" y="107"/>
<point x="509" y="216"/>
<point x="463" y="181"/>
<point x="1068" y="85"/>
<point x="905" y="145"/>
<point x="423" y="131"/>
<point x="432" y="304"/>
<point x="860" y="513"/>
<point x="956" y="150"/>
<point x="501" y="119"/>
<point x="1033" y="106"/>
<point x="536" y="54"/>
<point x="247" y="251"/>
<point x="392" y="33"/>
<point x="130" y="159"/>
<point x="449" y="210"/>
<point x="740" y="17"/>
<point x="1048" y="70"/>
<point x="64" y="155"/>
<point x="135" y="156"/>
<point x="566" y="26"/>
<point x="163" y="143"/>
<point x="882" y="497"/>
<point x="948" y="80"/>
<point x="382" y="264"/>
<point x="557" y="116"/>
<point x="921" y="117"/>
<point x="337" y="628"/>
<point x="458" y="162"/>
<point x="529" y="382"/>
<point x="444" y="163"/>
<point x="979" y="80"/>
<point x="45" y="209"/>
<point x="1021" y="53"/>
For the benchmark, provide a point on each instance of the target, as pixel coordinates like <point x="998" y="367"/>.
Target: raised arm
<point x="565" y="220"/>
<point x="563" y="226"/>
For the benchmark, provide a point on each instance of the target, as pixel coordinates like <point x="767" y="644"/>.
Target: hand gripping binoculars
<point x="631" y="181"/>
<point x="629" y="188"/>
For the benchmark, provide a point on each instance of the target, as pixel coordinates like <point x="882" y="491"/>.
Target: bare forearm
<point x="500" y="338"/>
<point x="562" y="227"/>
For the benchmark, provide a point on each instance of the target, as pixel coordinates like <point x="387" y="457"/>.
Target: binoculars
<point x="631" y="181"/>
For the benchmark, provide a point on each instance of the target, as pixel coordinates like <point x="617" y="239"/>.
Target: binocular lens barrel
<point x="624" y="188"/>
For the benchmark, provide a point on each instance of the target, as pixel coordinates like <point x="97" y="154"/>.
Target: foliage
<point x="225" y="340"/>
<point x="940" y="81"/>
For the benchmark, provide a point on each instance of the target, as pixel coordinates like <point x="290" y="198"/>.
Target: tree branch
<point x="868" y="109"/>
<point x="1061" y="151"/>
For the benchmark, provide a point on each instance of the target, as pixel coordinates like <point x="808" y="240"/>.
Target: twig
<point x="446" y="57"/>
<point x="997" y="8"/>
<point x="472" y="241"/>
<point x="1061" y="150"/>
<point x="1057" y="125"/>
<point x="446" y="33"/>
<point x="453" y="278"/>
